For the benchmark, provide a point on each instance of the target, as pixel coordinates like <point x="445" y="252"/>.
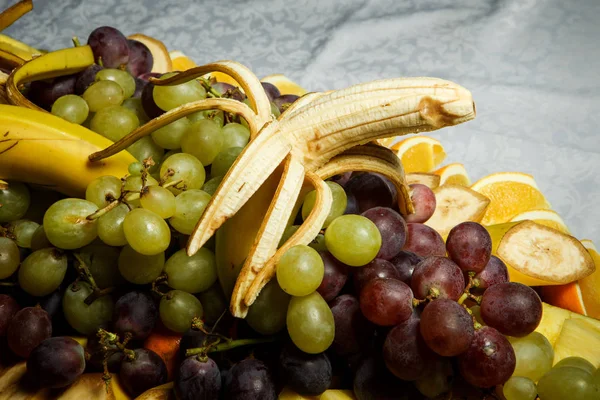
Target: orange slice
<point x="590" y="285"/>
<point x="454" y="173"/>
<point x="567" y="296"/>
<point x="545" y="217"/>
<point x="162" y="60"/>
<point x="420" y="153"/>
<point x="510" y="194"/>
<point x="284" y="84"/>
<point x="180" y="61"/>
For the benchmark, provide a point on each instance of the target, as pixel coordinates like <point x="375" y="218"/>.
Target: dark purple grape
<point x="284" y="101"/>
<point x="342" y="178"/>
<point x="45" y="93"/>
<point x="191" y="339"/>
<point x="96" y="351"/>
<point x="198" y="379"/>
<point x="495" y="272"/>
<point x="438" y="277"/>
<point x="405" y="263"/>
<point x="248" y="380"/>
<point x="52" y="303"/>
<point x="229" y="91"/>
<point x="375" y="269"/>
<point x="306" y="374"/>
<point x="86" y="77"/>
<point x="135" y="313"/>
<point x="334" y="278"/>
<point x="148" y="103"/>
<point x="446" y="327"/>
<point x="372" y="190"/>
<point x="109" y="46"/>
<point x="512" y="308"/>
<point x="490" y="359"/>
<point x="424" y="241"/>
<point x="145" y="371"/>
<point x="469" y="245"/>
<point x="140" y="84"/>
<point x="27" y="329"/>
<point x="146" y="77"/>
<point x="8" y="308"/>
<point x="373" y="381"/>
<point x="392" y="227"/>
<point x="351" y="204"/>
<point x="140" y="58"/>
<point x="56" y="362"/>
<point x="352" y="329"/>
<point x="386" y="302"/>
<point x="423" y="200"/>
<point x="271" y="91"/>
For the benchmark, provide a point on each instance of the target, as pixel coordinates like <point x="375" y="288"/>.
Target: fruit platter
<point x="171" y="230"/>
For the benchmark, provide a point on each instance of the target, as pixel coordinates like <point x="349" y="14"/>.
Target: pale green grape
<point x="110" y="226"/>
<point x="191" y="274"/>
<point x="577" y="362"/>
<point x="268" y="313"/>
<point x="338" y="206"/>
<point x="103" y="190"/>
<point x="135" y="105"/>
<point x="216" y="116"/>
<point x="235" y="135"/>
<point x="189" y="208"/>
<point x="310" y="323"/>
<point x="596" y="377"/>
<point x="438" y="380"/>
<point x="318" y="243"/>
<point x="567" y="383"/>
<point x="88" y="121"/>
<point x="177" y="309"/>
<point x="71" y="108"/>
<point x="353" y="239"/>
<point x="146" y="148"/>
<point x="203" y="140"/>
<point x="212" y="185"/>
<point x="224" y="160"/>
<point x="123" y="78"/>
<point x="169" y="97"/>
<point x="159" y="200"/>
<point x="275" y="110"/>
<point x="534" y="355"/>
<point x="10" y="257"/>
<point x="213" y="303"/>
<point x="146" y="232"/>
<point x="23" y="230"/>
<point x="169" y="136"/>
<point x="300" y="271"/>
<point x="103" y="263"/>
<point x="519" y="388"/>
<point x="138" y="268"/>
<point x="67" y="226"/>
<point x="39" y="240"/>
<point x="103" y="94"/>
<point x="15" y="201"/>
<point x="133" y="184"/>
<point x="287" y="233"/>
<point x="114" y="122"/>
<point x="42" y="271"/>
<point x="135" y="168"/>
<point x="186" y="168"/>
<point x="83" y="318"/>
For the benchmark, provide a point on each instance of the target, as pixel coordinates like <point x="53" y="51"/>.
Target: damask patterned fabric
<point x="532" y="66"/>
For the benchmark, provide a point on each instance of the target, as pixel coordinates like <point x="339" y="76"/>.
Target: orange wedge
<point x="420" y="153"/>
<point x="180" y="61"/>
<point x="162" y="60"/>
<point x="284" y="84"/>
<point x="454" y="173"/>
<point x="590" y="285"/>
<point x="545" y="217"/>
<point x="510" y="194"/>
<point x="567" y="296"/>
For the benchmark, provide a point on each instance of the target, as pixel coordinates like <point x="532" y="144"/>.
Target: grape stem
<point x="84" y="272"/>
<point x="218" y="346"/>
<point x="211" y="91"/>
<point x="161" y="279"/>
<point x="76" y="41"/>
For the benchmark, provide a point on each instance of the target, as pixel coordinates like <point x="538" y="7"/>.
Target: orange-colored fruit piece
<point x="180" y="61"/>
<point x="285" y="84"/>
<point x="590" y="285"/>
<point x="544" y="217"/>
<point x="454" y="173"/>
<point x="165" y="343"/>
<point x="566" y="296"/>
<point x="420" y="153"/>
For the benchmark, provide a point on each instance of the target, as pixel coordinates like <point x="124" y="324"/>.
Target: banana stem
<point x="13" y="13"/>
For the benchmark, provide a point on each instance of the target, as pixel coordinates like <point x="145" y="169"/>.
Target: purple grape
<point x="229" y="91"/>
<point x="140" y="84"/>
<point x="198" y="379"/>
<point x="145" y="371"/>
<point x="469" y="245"/>
<point x="141" y="60"/>
<point x="45" y="93"/>
<point x="146" y="77"/>
<point x="148" y="103"/>
<point x="56" y="362"/>
<point x="86" y="77"/>
<point x="373" y="381"/>
<point x="377" y="268"/>
<point x="271" y="91"/>
<point x="135" y="313"/>
<point x="334" y="278"/>
<point x="52" y="303"/>
<point x="248" y="380"/>
<point x="423" y="200"/>
<point x="351" y="204"/>
<point x="495" y="272"/>
<point x="342" y="178"/>
<point x="8" y="308"/>
<point x="284" y="101"/>
<point x="446" y="327"/>
<point x="306" y="374"/>
<point x="96" y="351"/>
<point x="424" y="241"/>
<point x="352" y="330"/>
<point x="405" y="263"/>
<point x="28" y="328"/>
<point x="109" y="46"/>
<point x="386" y="302"/>
<point x="438" y="277"/>
<point x="191" y="339"/>
<point x="372" y="190"/>
<point x="392" y="227"/>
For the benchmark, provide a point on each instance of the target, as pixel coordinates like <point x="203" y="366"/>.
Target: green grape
<point x="103" y="190"/>
<point x="203" y="140"/>
<point x="596" y="377"/>
<point x="189" y="208"/>
<point x="534" y="355"/>
<point x="67" y="226"/>
<point x="191" y="274"/>
<point x="177" y="309"/>
<point x="169" y="136"/>
<point x="146" y="232"/>
<point x="71" y="108"/>
<point x="224" y="160"/>
<point x="23" y="230"/>
<point x="300" y="270"/>
<point x="103" y="94"/>
<point x="42" y="272"/>
<point x="216" y="116"/>
<point x="338" y="207"/>
<point x="110" y="226"/>
<point x="146" y="148"/>
<point x="135" y="168"/>
<point x="135" y="105"/>
<point x="318" y="243"/>
<point x="213" y="303"/>
<point x="275" y="110"/>
<point x="133" y="184"/>
<point x="235" y="135"/>
<point x="123" y="78"/>
<point x="567" y="383"/>
<point x="114" y="122"/>
<point x="138" y="268"/>
<point x="15" y="201"/>
<point x="103" y="263"/>
<point x="169" y="97"/>
<point x="44" y="198"/>
<point x="88" y="121"/>
<point x="158" y="200"/>
<point x="577" y="362"/>
<point x="212" y="185"/>
<point x="287" y="233"/>
<point x="186" y="168"/>
<point x="39" y="240"/>
<point x="438" y="379"/>
<point x="353" y="239"/>
<point x="268" y="313"/>
<point x="86" y="319"/>
<point x="10" y="257"/>
<point x="310" y="323"/>
<point x="519" y="388"/>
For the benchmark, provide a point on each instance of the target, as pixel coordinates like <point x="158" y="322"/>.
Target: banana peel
<point x="18" y="48"/>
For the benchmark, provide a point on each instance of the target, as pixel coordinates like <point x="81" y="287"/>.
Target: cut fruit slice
<point x="580" y="338"/>
<point x="537" y="255"/>
<point x="285" y="85"/>
<point x="430" y="180"/>
<point x="162" y="60"/>
<point x="454" y="173"/>
<point x="544" y="217"/>
<point x="590" y="285"/>
<point x="510" y="193"/>
<point x="552" y="321"/>
<point x="18" y="48"/>
<point x="456" y="204"/>
<point x="420" y="153"/>
<point x="181" y="62"/>
<point x="567" y="296"/>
